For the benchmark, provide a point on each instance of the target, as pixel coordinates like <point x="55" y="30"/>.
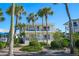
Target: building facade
<point x="75" y="27"/>
<point x="3" y="37"/>
<point x="41" y="34"/>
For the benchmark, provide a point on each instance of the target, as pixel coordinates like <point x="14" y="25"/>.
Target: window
<point x="47" y="37"/>
<point x="74" y="23"/>
<point x="44" y="28"/>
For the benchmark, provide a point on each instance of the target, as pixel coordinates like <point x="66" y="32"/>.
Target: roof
<point x="72" y="20"/>
<point x="41" y="24"/>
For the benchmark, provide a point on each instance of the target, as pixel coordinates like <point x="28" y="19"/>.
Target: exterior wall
<point x="3" y="39"/>
<point x="40" y="36"/>
<point x="74" y="28"/>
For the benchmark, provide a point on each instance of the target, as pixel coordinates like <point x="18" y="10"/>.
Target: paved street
<point x="45" y="52"/>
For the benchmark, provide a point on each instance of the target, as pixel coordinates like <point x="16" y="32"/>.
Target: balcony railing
<point x="38" y="29"/>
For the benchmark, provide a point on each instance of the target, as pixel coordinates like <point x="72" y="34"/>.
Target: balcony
<point x="38" y="28"/>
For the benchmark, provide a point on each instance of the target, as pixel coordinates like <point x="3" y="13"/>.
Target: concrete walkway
<point x="44" y="52"/>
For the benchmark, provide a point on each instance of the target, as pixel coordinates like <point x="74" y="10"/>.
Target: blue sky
<point x="58" y="18"/>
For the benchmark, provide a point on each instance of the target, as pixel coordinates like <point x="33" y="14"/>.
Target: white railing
<point x="3" y="39"/>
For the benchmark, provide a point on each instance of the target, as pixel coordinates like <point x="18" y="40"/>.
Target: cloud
<point x="4" y="30"/>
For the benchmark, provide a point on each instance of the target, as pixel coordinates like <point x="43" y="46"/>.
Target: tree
<point x="28" y="26"/>
<point x="24" y="27"/>
<point x="28" y="20"/>
<point x="32" y="17"/>
<point x="1" y="15"/>
<point x="20" y="27"/>
<point x="11" y="30"/>
<point x="46" y="12"/>
<point x="75" y="36"/>
<point x="57" y="35"/>
<point x="41" y="14"/>
<point x="18" y="11"/>
<point x="70" y="30"/>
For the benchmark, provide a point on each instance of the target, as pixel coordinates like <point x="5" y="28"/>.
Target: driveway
<point x="45" y="52"/>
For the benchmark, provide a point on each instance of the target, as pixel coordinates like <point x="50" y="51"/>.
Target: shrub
<point x="17" y="45"/>
<point x="65" y="43"/>
<point x="34" y="43"/>
<point x="43" y="44"/>
<point x="55" y="45"/>
<point x="16" y="41"/>
<point x="59" y="44"/>
<point x="77" y="44"/>
<point x="3" y="45"/>
<point x="33" y="46"/>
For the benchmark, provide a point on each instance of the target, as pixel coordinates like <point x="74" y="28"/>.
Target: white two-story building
<point x="75" y="26"/>
<point x="41" y="34"/>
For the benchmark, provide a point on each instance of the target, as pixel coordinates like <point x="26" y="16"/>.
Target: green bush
<point x="17" y="45"/>
<point x="55" y="45"/>
<point x="3" y="45"/>
<point x="59" y="44"/>
<point x="77" y="44"/>
<point x="43" y="44"/>
<point x="34" y="43"/>
<point x="33" y="46"/>
<point x="16" y="41"/>
<point x="65" y="43"/>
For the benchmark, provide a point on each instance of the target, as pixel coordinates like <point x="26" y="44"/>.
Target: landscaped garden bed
<point x="33" y="46"/>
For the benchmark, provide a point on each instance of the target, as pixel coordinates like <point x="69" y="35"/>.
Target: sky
<point x="58" y="18"/>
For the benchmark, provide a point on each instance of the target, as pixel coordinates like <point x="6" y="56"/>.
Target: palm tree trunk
<point x="34" y="28"/>
<point x="70" y="30"/>
<point x="35" y="31"/>
<point x="28" y="30"/>
<point x="12" y="31"/>
<point x="46" y="29"/>
<point x="42" y="29"/>
<point x="16" y="25"/>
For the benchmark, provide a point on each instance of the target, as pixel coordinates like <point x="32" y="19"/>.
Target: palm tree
<point x="18" y="11"/>
<point x="28" y="20"/>
<point x="19" y="26"/>
<point x="1" y="15"/>
<point x="41" y="14"/>
<point x="32" y="17"/>
<point x="12" y="30"/>
<point x="25" y="13"/>
<point x="70" y="29"/>
<point x="24" y="29"/>
<point x="28" y="26"/>
<point x="47" y="11"/>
